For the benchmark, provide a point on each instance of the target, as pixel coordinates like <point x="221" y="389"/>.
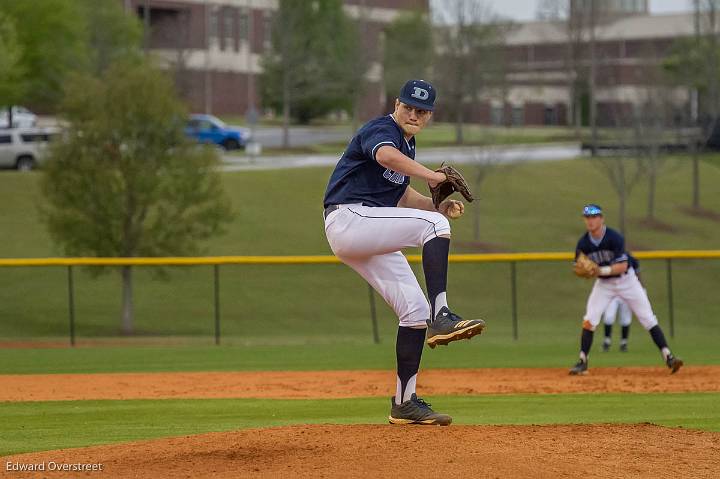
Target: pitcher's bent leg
<point x="391" y="276"/>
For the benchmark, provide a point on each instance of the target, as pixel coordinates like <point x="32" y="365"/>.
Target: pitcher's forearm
<point x="392" y="158"/>
<point x="413" y="199"/>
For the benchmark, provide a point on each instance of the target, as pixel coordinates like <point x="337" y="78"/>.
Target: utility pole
<point x="252" y="110"/>
<point x="593" y="73"/>
<point x="693" y="90"/>
<point x="207" y="76"/>
<point x="146" y="25"/>
<point x="714" y="88"/>
<point x="248" y="63"/>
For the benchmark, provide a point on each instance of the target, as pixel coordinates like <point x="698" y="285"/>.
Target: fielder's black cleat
<point x="416" y="411"/>
<point x="580" y="368"/>
<point x="606" y="345"/>
<point x="448" y="327"/>
<point x="674" y="363"/>
<point x="623" y="347"/>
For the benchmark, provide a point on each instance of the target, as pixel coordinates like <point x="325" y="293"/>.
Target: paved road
<point x="271" y="137"/>
<point x="460" y="155"/>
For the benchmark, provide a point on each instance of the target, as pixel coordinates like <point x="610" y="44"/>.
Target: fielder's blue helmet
<point x="592" y="210"/>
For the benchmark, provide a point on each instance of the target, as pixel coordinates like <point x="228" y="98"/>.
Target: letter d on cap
<point x="420" y="93"/>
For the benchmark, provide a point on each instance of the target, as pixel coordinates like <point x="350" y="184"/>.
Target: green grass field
<point x="41" y="426"/>
<point x="489" y="350"/>
<point x="531" y="207"/>
<point x="33" y="426"/>
<point x="317" y="317"/>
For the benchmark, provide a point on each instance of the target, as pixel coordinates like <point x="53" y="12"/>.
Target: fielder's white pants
<point x="626" y="287"/>
<point x="617" y="306"/>
<point x="369" y="240"/>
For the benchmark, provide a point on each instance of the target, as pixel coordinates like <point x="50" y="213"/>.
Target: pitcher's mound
<point x="362" y="451"/>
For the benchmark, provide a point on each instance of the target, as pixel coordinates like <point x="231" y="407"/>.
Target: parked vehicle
<point x="208" y="129"/>
<point x="24" y="148"/>
<point x="22" y="117"/>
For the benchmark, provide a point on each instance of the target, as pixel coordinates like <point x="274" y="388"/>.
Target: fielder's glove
<point x="584" y="267"/>
<point x="454" y="182"/>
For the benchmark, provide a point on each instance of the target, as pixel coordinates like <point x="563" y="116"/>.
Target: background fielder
<point x="606" y="247"/>
<point x="371" y="213"/>
<point x="618" y="307"/>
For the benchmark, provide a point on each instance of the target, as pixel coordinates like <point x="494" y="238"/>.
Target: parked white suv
<point x="22" y="117"/>
<point x="24" y="148"/>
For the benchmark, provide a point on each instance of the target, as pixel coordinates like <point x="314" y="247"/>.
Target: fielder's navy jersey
<point x="359" y="178"/>
<point x="609" y="250"/>
<point x="634" y="263"/>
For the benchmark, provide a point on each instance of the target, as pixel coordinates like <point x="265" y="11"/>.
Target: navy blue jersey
<point x="634" y="263"/>
<point x="359" y="178"/>
<point x="605" y="252"/>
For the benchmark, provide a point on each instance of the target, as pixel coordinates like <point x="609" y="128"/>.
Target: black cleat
<point x="674" y="363"/>
<point x="580" y="368"/>
<point x="606" y="345"/>
<point x="416" y="411"/>
<point x="448" y="327"/>
<point x="623" y="348"/>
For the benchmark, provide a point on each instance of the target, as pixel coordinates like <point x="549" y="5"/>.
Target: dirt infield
<point x="346" y="384"/>
<point x="362" y="451"/>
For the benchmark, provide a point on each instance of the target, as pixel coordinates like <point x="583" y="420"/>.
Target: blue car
<point x="208" y="129"/>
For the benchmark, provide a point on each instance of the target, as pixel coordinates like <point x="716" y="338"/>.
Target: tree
<point x="407" y="29"/>
<point x="124" y="181"/>
<point x="551" y="9"/>
<point x="111" y="34"/>
<point x="468" y="55"/>
<point x="484" y="163"/>
<point x="11" y="73"/>
<point x="624" y="173"/>
<point x="362" y="58"/>
<point x="52" y="35"/>
<point x="57" y="37"/>
<point x="649" y="133"/>
<point x="305" y="72"/>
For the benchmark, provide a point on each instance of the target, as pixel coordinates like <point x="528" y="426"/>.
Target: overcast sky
<point x="525" y="9"/>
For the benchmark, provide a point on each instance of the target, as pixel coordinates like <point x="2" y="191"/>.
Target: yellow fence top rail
<point x="326" y="259"/>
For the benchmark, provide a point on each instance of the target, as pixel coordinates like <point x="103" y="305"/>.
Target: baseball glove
<point x="584" y="267"/>
<point x="454" y="182"/>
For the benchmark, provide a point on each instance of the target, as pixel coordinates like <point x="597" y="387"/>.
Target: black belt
<point x="330" y="209"/>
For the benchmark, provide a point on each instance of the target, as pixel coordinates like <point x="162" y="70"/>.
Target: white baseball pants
<point x="626" y="287"/>
<point x="617" y="306"/>
<point x="369" y="240"/>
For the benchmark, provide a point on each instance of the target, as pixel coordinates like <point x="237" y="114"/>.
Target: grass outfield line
<point x="481" y="352"/>
<point x="40" y="426"/>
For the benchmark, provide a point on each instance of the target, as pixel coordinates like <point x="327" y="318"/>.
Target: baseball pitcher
<point x="372" y="213"/>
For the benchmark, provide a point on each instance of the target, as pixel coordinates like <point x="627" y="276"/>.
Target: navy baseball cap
<point x="418" y="93"/>
<point x="592" y="210"/>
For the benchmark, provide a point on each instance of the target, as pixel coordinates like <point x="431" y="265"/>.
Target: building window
<point x="496" y="115"/>
<point x="228" y="28"/>
<point x="213" y="24"/>
<point x="243" y="25"/>
<point x="267" y="29"/>
<point x="550" y="117"/>
<point x="518" y="115"/>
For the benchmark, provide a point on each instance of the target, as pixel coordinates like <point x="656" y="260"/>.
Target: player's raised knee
<point x="440" y="226"/>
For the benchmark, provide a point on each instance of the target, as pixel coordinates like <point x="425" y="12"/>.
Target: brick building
<point x="214" y="46"/>
<point x="539" y="82"/>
